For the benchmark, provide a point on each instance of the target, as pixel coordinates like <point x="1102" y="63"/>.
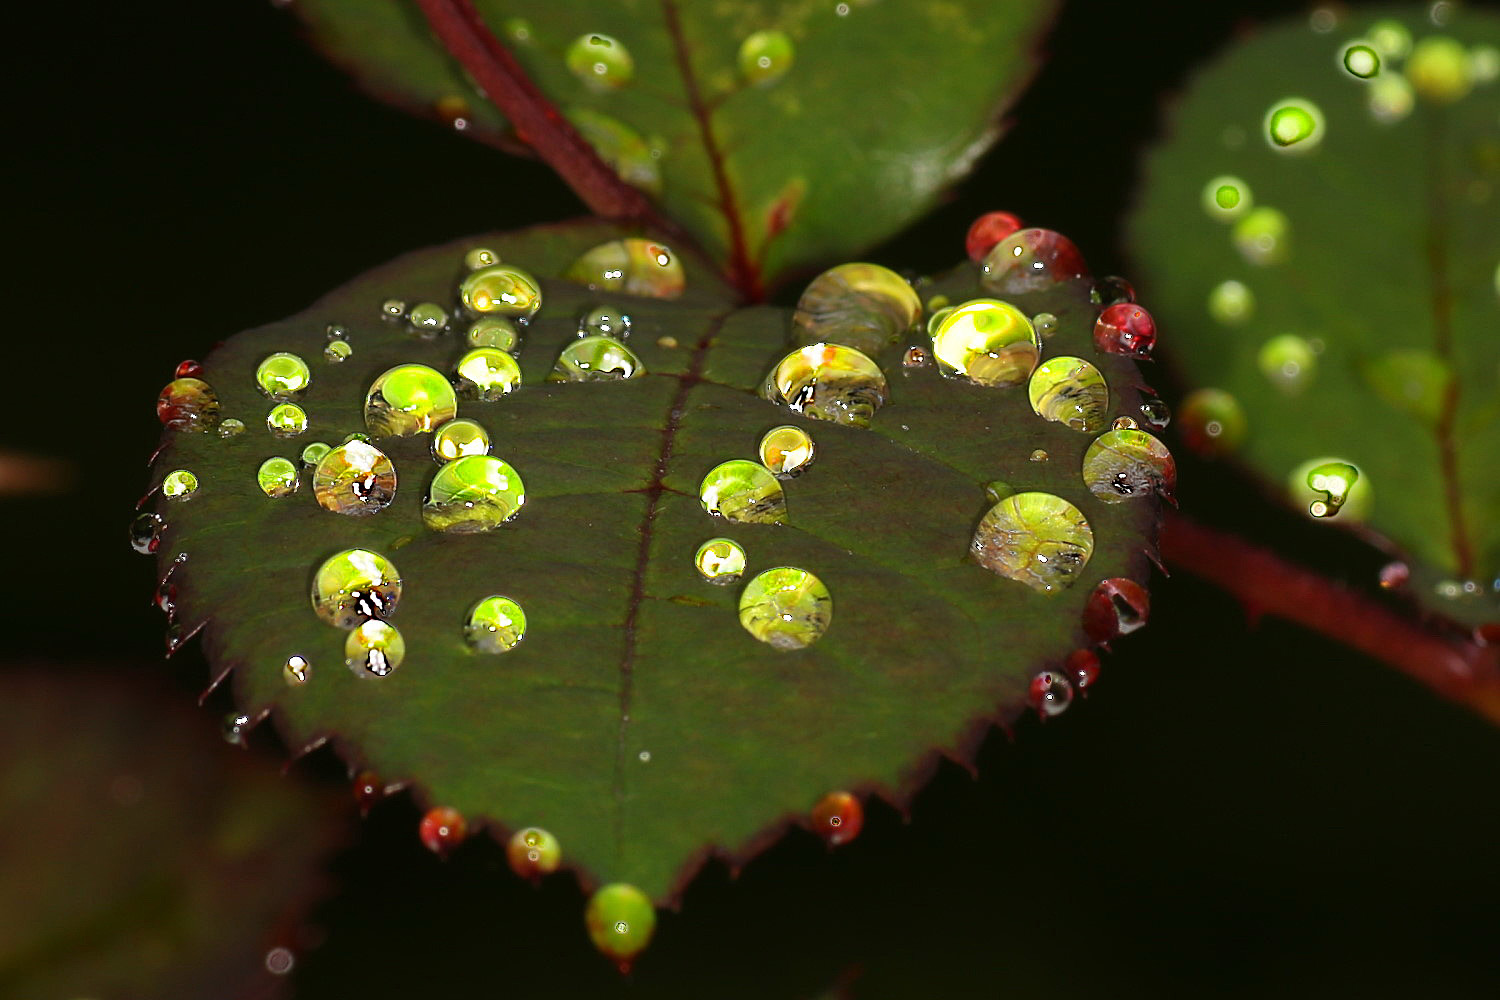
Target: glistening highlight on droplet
<point x="787" y="450"/>
<point x="988" y="342"/>
<point x="353" y="586"/>
<point x="1030" y="260"/>
<point x="458" y="438"/>
<point x="374" y="649"/>
<point x="765" y="57"/>
<point x="1294" y="125"/>
<point x="283" y="375"/>
<point x="601" y="61"/>
<point x="1126" y="463"/>
<point x="495" y="625"/>
<point x="277" y="477"/>
<point x="500" y="290"/>
<point x="634" y="266"/>
<point x="720" y="560"/>
<point x="828" y="382"/>
<point x="596" y="359"/>
<point x="743" y="491"/>
<point x="1226" y="198"/>
<point x="473" y="493"/>
<point x="487" y="374"/>
<point x="408" y="399"/>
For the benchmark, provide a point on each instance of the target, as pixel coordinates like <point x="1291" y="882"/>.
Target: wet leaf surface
<point x="765" y="163"/>
<point x="637" y="720"/>
<point x="1378" y="283"/>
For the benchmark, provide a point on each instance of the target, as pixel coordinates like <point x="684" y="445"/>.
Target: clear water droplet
<point x="1030" y="260"/>
<point x="277" y="477"/>
<point x="393" y="309"/>
<point x="283" y="375"/>
<point x="1111" y="290"/>
<point x="720" y="560"/>
<point x="766" y="57"/>
<point x="188" y="404"/>
<point x="487" y="374"/>
<point x="1390" y="98"/>
<point x="338" y="351"/>
<point x="1288" y="363"/>
<point x="987" y="231"/>
<point x="235" y="727"/>
<point x="473" y="493"/>
<point x="1037" y="539"/>
<point x="1294" y="124"/>
<point x="604" y="321"/>
<point x="1361" y="61"/>
<point x="533" y="852"/>
<point x="1126" y="463"/>
<point x="1263" y="237"/>
<point x="495" y="625"/>
<point x="634" y="266"/>
<point x="997" y="490"/>
<point x="786" y="607"/>
<point x="1050" y="694"/>
<point x="988" y="342"/>
<point x="409" y="399"/>
<point x="1124" y="424"/>
<point x="374" y="648"/>
<point x="743" y="492"/>
<point x="353" y="586"/>
<point x="1117" y="606"/>
<point x="787" y="451"/>
<point x="356" y="479"/>
<point x="600" y="61"/>
<point x="1334" y="480"/>
<point x="828" y="382"/>
<point x="494" y="331"/>
<point x="1231" y="303"/>
<point x="863" y="306"/>
<point x="145" y="532"/>
<point x="1072" y="392"/>
<point x="500" y="290"/>
<point x="1226" y="198"/>
<point x="480" y="257"/>
<point x="1045" y="324"/>
<point x="1125" y="328"/>
<point x="313" y="453"/>
<point x="1154" y="411"/>
<point x="179" y="484"/>
<point x="458" y="438"/>
<point x="335" y="331"/>
<point x="1213" y="422"/>
<point x="286" y="420"/>
<point x="837" y="818"/>
<point x="296" y="670"/>
<point x="427" y="319"/>
<point x="231" y="428"/>
<point x="596" y="359"/>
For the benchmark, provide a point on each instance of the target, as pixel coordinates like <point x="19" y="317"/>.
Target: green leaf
<point x="1371" y="337"/>
<point x="881" y="108"/>
<point x="139" y="859"/>
<point x="637" y="721"/>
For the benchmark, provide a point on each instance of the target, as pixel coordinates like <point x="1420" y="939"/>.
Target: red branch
<point x="1464" y="672"/>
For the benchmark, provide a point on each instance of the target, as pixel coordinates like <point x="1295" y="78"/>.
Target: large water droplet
<point x="496" y="623"/>
<point x="837" y="818"/>
<point x="863" y="306"/>
<point x="486" y="374"/>
<point x="313" y="453"/>
<point x="633" y="266"/>
<point x="744" y="492"/>
<point x="766" y="56"/>
<point x="473" y="493"/>
<point x="1263" y="237"/>
<point x="1440" y="69"/>
<point x="1226" y="198"/>
<point x="283" y="375"/>
<point x="600" y="61"/>
<point x="179" y="484"/>
<point x="787" y="451"/>
<point x="458" y="438"/>
<point x="1288" y="362"/>
<point x="1361" y="60"/>
<point x="374" y="649"/>
<point x="1213" y="422"/>
<point x="1030" y="260"/>
<point x="1125" y="328"/>
<point x="145" y="532"/>
<point x="987" y="231"/>
<point x="1116" y="607"/>
<point x="407" y="400"/>
<point x="494" y="331"/>
<point x="1231" y="303"/>
<point x="1335" y="481"/>
<point x="987" y="341"/>
<point x="355" y="585"/>
<point x="500" y="290"/>
<point x="356" y="478"/>
<point x="786" y="607"/>
<point x="720" y="560"/>
<point x="1294" y="125"/>
<point x="1037" y="539"/>
<point x="188" y="404"/>
<point x="596" y="359"/>
<point x="604" y="321"/>
<point x="1050" y="694"/>
<point x="277" y="477"/>
<point x="533" y="852"/>
<point x="286" y="420"/>
<point x="828" y="382"/>
<point x="1126" y="463"/>
<point x="620" y="921"/>
<point x="1072" y="392"/>
<point x="442" y="829"/>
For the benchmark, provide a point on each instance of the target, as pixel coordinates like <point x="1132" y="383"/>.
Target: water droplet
<point x="180" y="484"/>
<point x="500" y="290"/>
<point x="1037" y="539"/>
<point x="596" y="359"/>
<point x="1045" y="324"/>
<point x="1226" y="198"/>
<point x="409" y="399"/>
<point x="1361" y="60"/>
<point x="496" y="624"/>
<point x="1390" y="98"/>
<point x="188" y="404"/>
<point x="667" y="342"/>
<point x="313" y="453"/>
<point x="600" y="61"/>
<point x="1082" y="667"/>
<point x="189" y="369"/>
<point x="296" y="670"/>
<point x="368" y="790"/>
<point x="1294" y="124"/>
<point x="937" y="318"/>
<point x="1030" y="260"/>
<point x="604" y="321"/>
<point x="633" y="266"/>
<point x="533" y="852"/>
<point x="286" y="420"/>
<point x="620" y="921"/>
<point x="1154" y="412"/>
<point x="787" y="451"/>
<point x="1440" y="12"/>
<point x="1288" y="362"/>
<point x="1111" y="290"/>
<point x="743" y="492"/>
<point x="1334" y="480"/>
<point x="518" y="30"/>
<point x="494" y="331"/>
<point x="1050" y="694"/>
<point x="145" y="532"/>
<point x="1124" y="424"/>
<point x="1394" y="575"/>
<point x="1485" y="62"/>
<point x="1323" y="20"/>
<point x="1117" y="606"/>
<point x="621" y="147"/>
<point x="393" y="309"/>
<point x="837" y="818"/>
<point x="987" y="231"/>
<point x="374" y="649"/>
<point x="1231" y="303"/>
<point x="1213" y="422"/>
<point x="442" y="829"/>
<point x="235" y="727"/>
<point x="720" y="560"/>
<point x="786" y="607"/>
<point x="1040" y="455"/>
<point x="914" y="357"/>
<point x="336" y="331"/>
<point x="453" y="111"/>
<point x="480" y="257"/>
<point x="427" y="318"/>
<point x="338" y="351"/>
<point x="353" y="586"/>
<point x="863" y="306"/>
<point x="1125" y="328"/>
<point x="988" y="342"/>
<point x="1072" y="392"/>
<point x="277" y="477"/>
<point x="166" y="598"/>
<point x="283" y="375"/>
<point x="828" y="382"/>
<point x="766" y="56"/>
<point x="356" y="478"/>
<point x="1263" y="237"/>
<point x="458" y="438"/>
<point x="1439" y="69"/>
<point x="487" y="374"/>
<point x="1391" y="38"/>
<point x="473" y="493"/>
<point x="231" y="428"/>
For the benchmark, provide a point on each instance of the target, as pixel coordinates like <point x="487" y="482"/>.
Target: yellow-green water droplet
<point x="1213" y="422"/>
<point x="356" y="479"/>
<point x="1391" y="38"/>
<point x="1390" y="98"/>
<point x="1226" y="198"/>
<point x="621" y="147"/>
<point x="720" y="560"/>
<point x="987" y="341"/>
<point x="458" y="438"/>
<point x="283" y="375"/>
<point x="787" y="608"/>
<point x="1334" y="481"/>
<point x="286" y="420"/>
<point x="427" y="319"/>
<point x="936" y="319"/>
<point x="407" y="400"/>
<point x="296" y="671"/>
<point x="1045" y="324"/>
<point x="500" y="290"/>
<point x="766" y="56"/>
<point x="863" y="306"/>
<point x="188" y="404"/>
<point x="1037" y="539"/>
<point x="495" y="625"/>
<point x="1413" y="381"/>
<point x="1263" y="237"/>
<point x="1072" y="392"/>
<point x="277" y="477"/>
<point x="393" y="309"/>
<point x="600" y="61"/>
<point x="486" y="374"/>
<point x="604" y="321"/>
<point x="620" y="921"/>
<point x="494" y="331"/>
<point x="1125" y="463"/>
<point x="1294" y="124"/>
<point x="1039" y="455"/>
<point x="1288" y="363"/>
<point x="634" y="266"/>
<point x="743" y="491"/>
<point x="231" y="428"/>
<point x="828" y="382"/>
<point x="1484" y="60"/>
<point x="596" y="359"/>
<point x="374" y="649"/>
<point x="338" y="351"/>
<point x="1440" y="69"/>
<point x="1361" y="61"/>
<point x="1231" y="303"/>
<point x="786" y="450"/>
<point x="355" y="585"/>
<point x="313" y="453"/>
<point x="480" y="257"/>
<point x="518" y="30"/>
<point x="997" y="490"/>
<point x="180" y="484"/>
<point x="473" y="493"/>
<point x="533" y="852"/>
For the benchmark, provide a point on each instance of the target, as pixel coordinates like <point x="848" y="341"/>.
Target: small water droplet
<point x="1213" y="422"/>
<point x="518" y="30"/>
<point x="644" y="756"/>
<point x="500" y="290"/>
<point x="862" y="306"/>
<point x="354" y="586"/>
<point x="533" y="852"/>
<point x="1037" y="539"/>
<point x="188" y="404"/>
<point x="179" y="484"/>
<point x="427" y="319"/>
<point x="1231" y="303"/>
<point x="720" y="560"/>
<point x="495" y="625"/>
<point x="1439" y="13"/>
<point x="393" y="309"/>
<point x="231" y="428"/>
<point x="313" y="453"/>
<point x="277" y="477"/>
<point x="1154" y="412"/>
<point x="787" y="451"/>
<point x="296" y="670"/>
<point x="1294" y="124"/>
<point x="1045" y="324"/>
<point x="1288" y="363"/>
<point x="987" y="231"/>
<point x="1394" y="575"/>
<point x="166" y="598"/>
<point x="766" y="56"/>
<point x="473" y="493"/>
<point x="742" y="491"/>
<point x="409" y="399"/>
<point x="1030" y="260"/>
<point x="1323" y="20"/>
<point x="1440" y="70"/>
<point x="1117" y="606"/>
<point x="937" y="318"/>
<point x="487" y="374"/>
<point x="1226" y="198"/>
<point x="1263" y="237"/>
<point x="596" y="359"/>
<point x="1111" y="290"/>
<point x="1072" y="392"/>
<point x="621" y="147"/>
<point x="189" y="369"/>
<point x="283" y="375"/>
<point x="235" y="726"/>
<point x="374" y="649"/>
<point x="987" y="342"/>
<point x="280" y="961"/>
<point x="338" y="351"/>
<point x="667" y="342"/>
<point x="828" y="382"/>
<point x="1124" y="424"/>
<point x="997" y="490"/>
<point x="1391" y="38"/>
<point x="915" y="357"/>
<point x="458" y="438"/>
<point x="604" y="321"/>
<point x="1390" y="98"/>
<point x="494" y="331"/>
<point x="368" y="790"/>
<point x="480" y="257"/>
<point x="1485" y="63"/>
<point x="837" y="818"/>
<point x="786" y="607"/>
<point x="1050" y="694"/>
<point x="1040" y="455"/>
<point x="600" y="61"/>
<point x="633" y="266"/>
<point x="145" y="532"/>
<point x="1125" y="328"/>
<point x="335" y="331"/>
<point x="1334" y="480"/>
<point x="286" y="420"/>
<point x="1361" y="61"/>
<point x="442" y="829"/>
<point x="620" y="921"/>
<point x="1082" y="668"/>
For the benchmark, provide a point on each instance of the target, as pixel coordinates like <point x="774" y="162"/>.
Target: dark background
<point x="1235" y="811"/>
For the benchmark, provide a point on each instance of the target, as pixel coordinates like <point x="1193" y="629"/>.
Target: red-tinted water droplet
<point x="1394" y="574"/>
<point x="1030" y="260"/>
<point x="838" y="817"/>
<point x="166" y="599"/>
<point x="368" y="790"/>
<point x="443" y="829"/>
<point x="189" y="369"/>
<point x="1125" y="328"/>
<point x="1082" y="666"/>
<point x="987" y="230"/>
<point x="1118" y="606"/>
<point x="1050" y="694"/>
<point x="1487" y="634"/>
